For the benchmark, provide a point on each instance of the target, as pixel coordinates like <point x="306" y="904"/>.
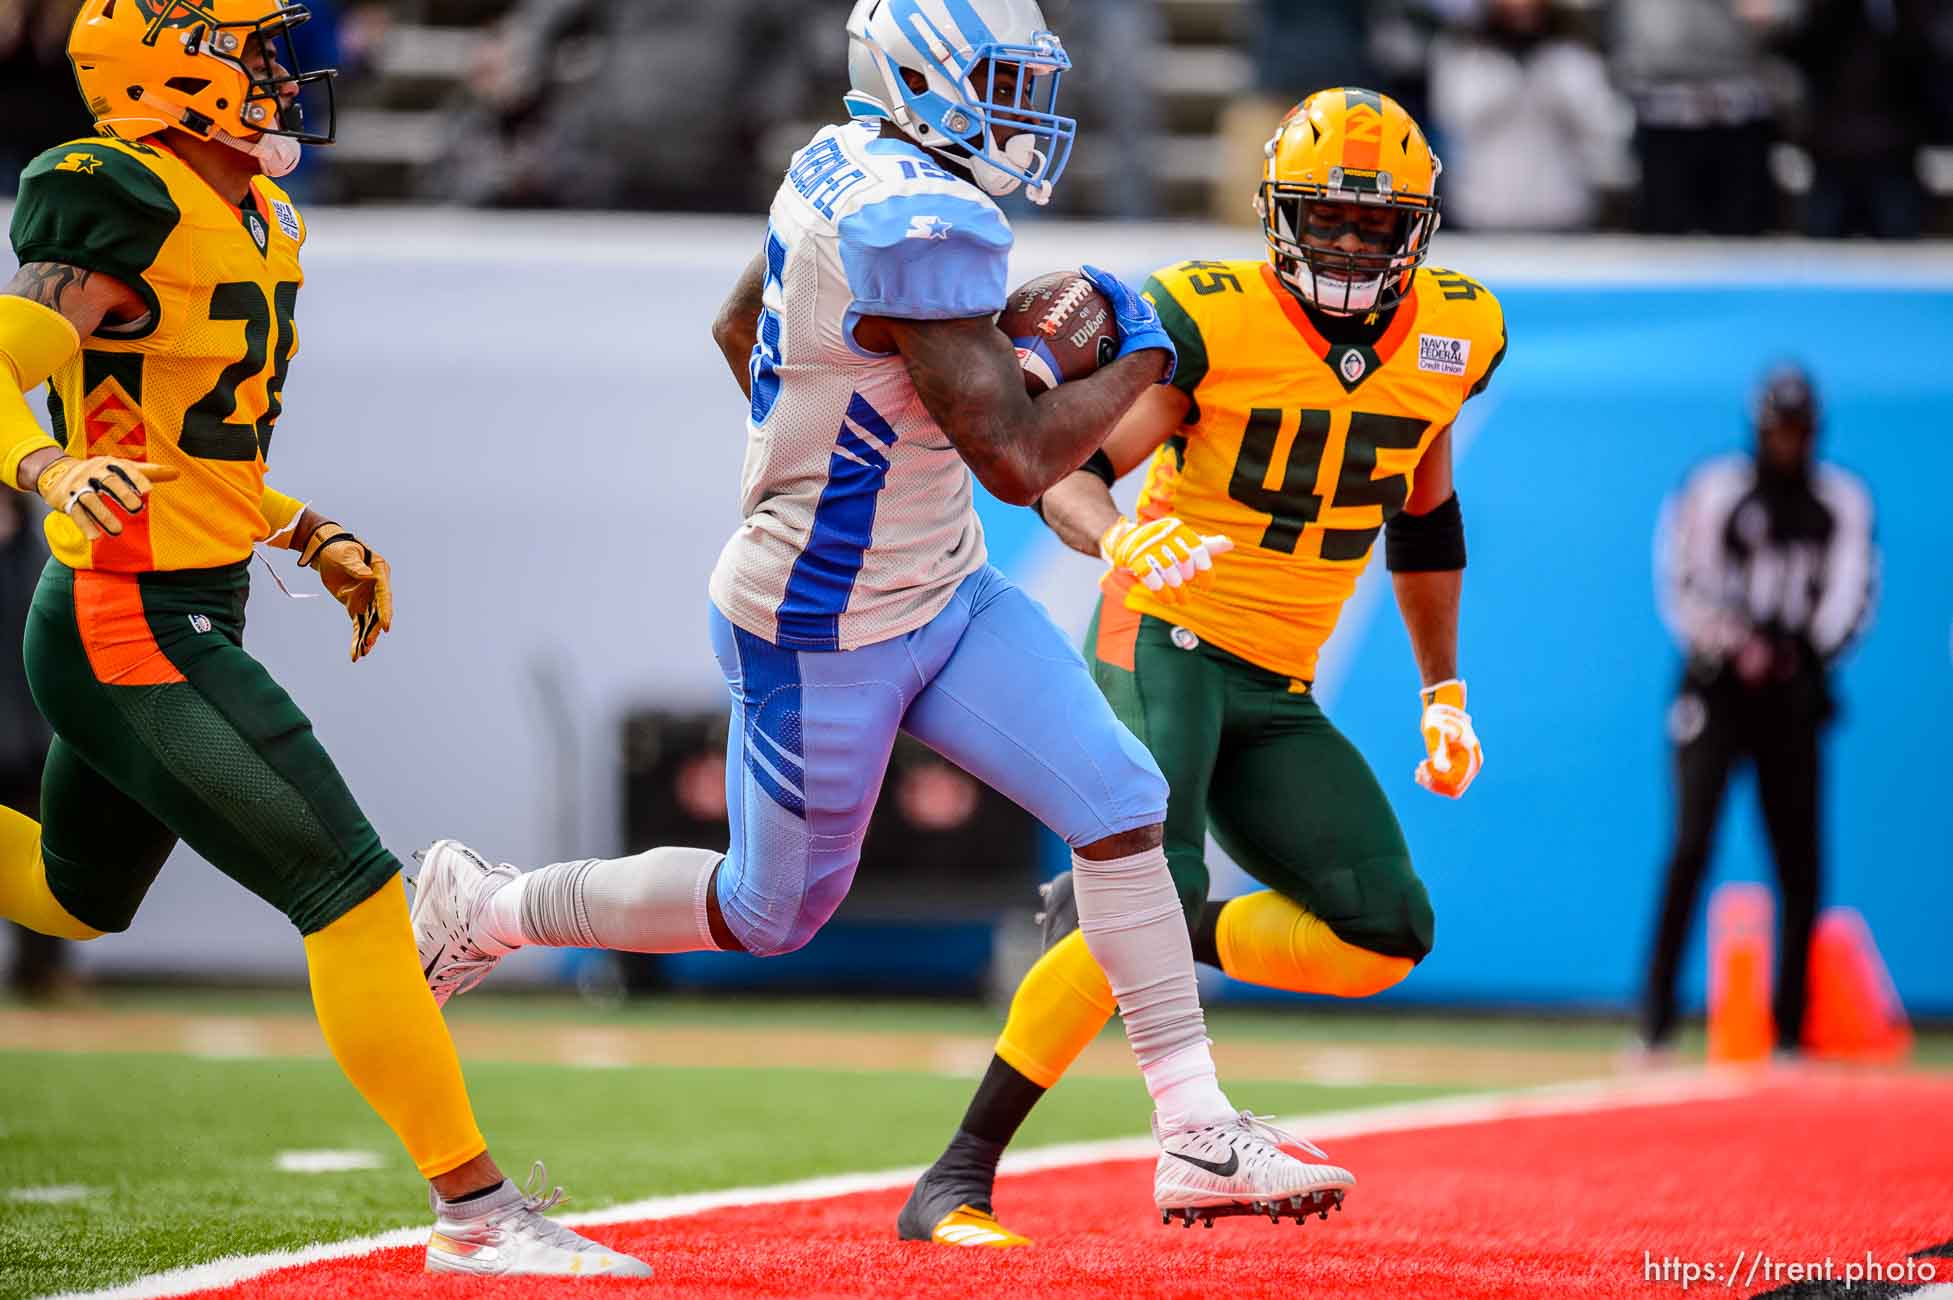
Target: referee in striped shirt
<point x="1767" y="570"/>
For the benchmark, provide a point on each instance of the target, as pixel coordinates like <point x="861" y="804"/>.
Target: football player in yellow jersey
<point x="156" y="297"/>
<point x="1312" y="410"/>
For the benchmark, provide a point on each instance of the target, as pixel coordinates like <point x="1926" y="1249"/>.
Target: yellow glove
<point x="97" y="492"/>
<point x="357" y="578"/>
<point x="1164" y="554"/>
<point x="1455" y="754"/>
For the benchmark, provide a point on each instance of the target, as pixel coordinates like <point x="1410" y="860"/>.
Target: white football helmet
<point x="950" y="42"/>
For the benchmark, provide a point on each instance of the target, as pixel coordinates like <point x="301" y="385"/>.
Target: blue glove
<point x="1139" y="324"/>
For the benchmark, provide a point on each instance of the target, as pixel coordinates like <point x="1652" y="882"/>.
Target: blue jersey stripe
<point x="809" y="617"/>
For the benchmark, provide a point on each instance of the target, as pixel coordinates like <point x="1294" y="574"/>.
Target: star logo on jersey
<point x="929" y="228"/>
<point x="85" y="163"/>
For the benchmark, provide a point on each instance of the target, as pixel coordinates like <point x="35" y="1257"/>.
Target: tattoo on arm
<point x="49" y="283"/>
<point x="967" y="375"/>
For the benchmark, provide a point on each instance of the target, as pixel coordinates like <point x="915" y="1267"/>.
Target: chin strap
<point x="277" y="155"/>
<point x="1023" y="153"/>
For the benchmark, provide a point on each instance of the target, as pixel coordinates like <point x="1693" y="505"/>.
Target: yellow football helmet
<point x="145" y="66"/>
<point x="1349" y="146"/>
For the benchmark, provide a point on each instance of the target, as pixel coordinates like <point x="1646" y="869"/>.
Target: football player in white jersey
<point x="856" y="599"/>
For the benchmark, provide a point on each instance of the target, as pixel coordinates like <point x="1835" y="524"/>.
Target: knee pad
<point x="1394" y="917"/>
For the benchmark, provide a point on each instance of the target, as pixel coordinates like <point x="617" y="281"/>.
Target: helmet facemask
<point x="1375" y="277"/>
<point x="990" y="106"/>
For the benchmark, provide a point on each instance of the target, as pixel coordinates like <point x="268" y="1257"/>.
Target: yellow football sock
<point x="24" y="895"/>
<point x="1060" y="1007"/>
<point x="386" y="1033"/>
<point x="1273" y="941"/>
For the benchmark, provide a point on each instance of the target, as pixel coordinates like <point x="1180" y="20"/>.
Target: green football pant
<point x="165" y="730"/>
<point x="1251" y="756"/>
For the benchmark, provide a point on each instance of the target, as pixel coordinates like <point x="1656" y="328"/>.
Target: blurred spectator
<point x="1533" y="124"/>
<point x="38" y="104"/>
<point x="1868" y="70"/>
<point x="1705" y="118"/>
<point x="638" y="103"/>
<point x="1767" y="574"/>
<point x="1115" y="46"/>
<point x="1302" y="46"/>
<point x="24" y="736"/>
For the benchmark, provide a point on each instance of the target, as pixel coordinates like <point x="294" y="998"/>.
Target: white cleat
<point x="449" y="892"/>
<point x="504" y="1234"/>
<point x="1238" y="1167"/>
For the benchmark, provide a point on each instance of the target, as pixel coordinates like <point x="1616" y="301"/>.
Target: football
<point x="1062" y="328"/>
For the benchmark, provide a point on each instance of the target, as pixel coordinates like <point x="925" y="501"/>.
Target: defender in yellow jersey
<point x="1311" y="415"/>
<point x="156" y="298"/>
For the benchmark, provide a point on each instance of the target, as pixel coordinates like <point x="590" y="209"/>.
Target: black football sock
<point x="1002" y="1102"/>
<point x="1207" y="934"/>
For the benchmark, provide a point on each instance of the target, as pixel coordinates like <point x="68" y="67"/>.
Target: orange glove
<point x="1455" y="755"/>
<point x="357" y="578"/>
<point x="1164" y="554"/>
<point x="96" y="493"/>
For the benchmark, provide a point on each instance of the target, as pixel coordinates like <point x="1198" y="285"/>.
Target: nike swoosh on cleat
<point x="428" y="969"/>
<point x="1219" y="1170"/>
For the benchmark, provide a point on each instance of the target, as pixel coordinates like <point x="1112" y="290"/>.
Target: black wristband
<point x="1428" y="543"/>
<point x="1099" y="464"/>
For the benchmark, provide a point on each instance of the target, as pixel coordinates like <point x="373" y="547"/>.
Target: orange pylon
<point x="1742" y="958"/>
<point x="1853" y="1012"/>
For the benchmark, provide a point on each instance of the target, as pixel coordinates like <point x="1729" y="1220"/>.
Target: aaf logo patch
<point x="260" y="234"/>
<point x="1352" y="365"/>
<point x="85" y="163"/>
<point x="199" y="623"/>
<point x="1442" y="356"/>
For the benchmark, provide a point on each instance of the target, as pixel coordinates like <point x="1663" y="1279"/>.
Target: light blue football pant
<point x="990" y="683"/>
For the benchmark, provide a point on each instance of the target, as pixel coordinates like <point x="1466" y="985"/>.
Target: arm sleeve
<point x="1185" y="333"/>
<point x="280" y="511"/>
<point x="96" y="208"/>
<point x="926" y="257"/>
<point x="1850" y="566"/>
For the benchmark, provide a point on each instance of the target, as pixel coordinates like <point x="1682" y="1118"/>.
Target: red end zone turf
<point x="1585" y="1204"/>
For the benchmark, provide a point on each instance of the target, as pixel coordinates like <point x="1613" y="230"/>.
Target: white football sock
<point x="500" y="920"/>
<point x="652" y="902"/>
<point x="1135" y="928"/>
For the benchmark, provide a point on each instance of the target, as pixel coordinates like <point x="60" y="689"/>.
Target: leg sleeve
<point x="1015" y="706"/>
<point x="1297" y="806"/>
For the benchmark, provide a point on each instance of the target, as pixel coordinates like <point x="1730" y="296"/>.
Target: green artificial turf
<point x="178" y="1153"/>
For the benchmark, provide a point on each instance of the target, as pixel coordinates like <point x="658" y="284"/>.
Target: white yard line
<point x="1663" y="1089"/>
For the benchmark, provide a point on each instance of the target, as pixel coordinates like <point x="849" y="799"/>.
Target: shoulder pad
<point x="94" y="204"/>
<point x="1453" y="304"/>
<point x="922" y="256"/>
<point x="282" y="212"/>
